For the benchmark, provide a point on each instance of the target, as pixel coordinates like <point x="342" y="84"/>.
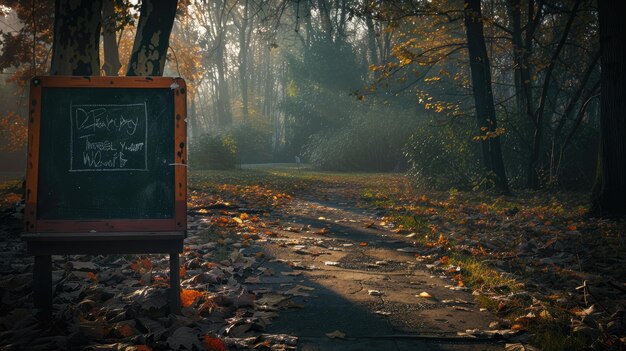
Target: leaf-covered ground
<point x="536" y="260"/>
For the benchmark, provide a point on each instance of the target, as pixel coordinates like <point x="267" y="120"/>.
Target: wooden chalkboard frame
<point x="33" y="224"/>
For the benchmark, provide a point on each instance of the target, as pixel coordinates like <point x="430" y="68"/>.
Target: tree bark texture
<point x="483" y="94"/>
<point x="111" y="65"/>
<point x="609" y="193"/>
<point x="152" y="38"/>
<point x="75" y="49"/>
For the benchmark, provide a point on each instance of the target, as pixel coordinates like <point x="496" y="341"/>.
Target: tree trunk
<point x="323" y="7"/>
<point x="75" y="50"/>
<point x="371" y="40"/>
<point x="534" y="167"/>
<point x="112" y="63"/>
<point x="609" y="191"/>
<point x="483" y="95"/>
<point x="243" y="61"/>
<point x="224" y="115"/>
<point x="518" y="55"/>
<point x="152" y="38"/>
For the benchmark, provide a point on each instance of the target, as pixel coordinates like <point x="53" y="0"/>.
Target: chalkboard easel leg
<point x="174" y="282"/>
<point x="42" y="286"/>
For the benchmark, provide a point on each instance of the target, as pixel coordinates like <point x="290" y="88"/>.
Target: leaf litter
<point x="552" y="264"/>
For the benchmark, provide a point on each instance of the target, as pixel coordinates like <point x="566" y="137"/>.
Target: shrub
<point x="217" y="151"/>
<point x="444" y="156"/>
<point x="370" y="141"/>
<point x="254" y="143"/>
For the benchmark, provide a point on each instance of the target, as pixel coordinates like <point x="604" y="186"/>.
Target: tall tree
<point x="483" y="94"/>
<point x="244" y="26"/>
<point x="538" y="116"/>
<point x="152" y="38"/>
<point x="112" y="65"/>
<point x="609" y="193"/>
<point x="75" y="51"/>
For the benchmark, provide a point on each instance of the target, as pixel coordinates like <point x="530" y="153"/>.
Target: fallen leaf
<point x="245" y="299"/>
<point x="425" y="295"/>
<point x="375" y="293"/>
<point x="187" y="297"/>
<point x="92" y="276"/>
<point x="213" y="344"/>
<point x="184" y="337"/>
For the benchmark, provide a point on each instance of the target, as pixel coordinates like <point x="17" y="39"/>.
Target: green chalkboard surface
<point x="106" y="153"/>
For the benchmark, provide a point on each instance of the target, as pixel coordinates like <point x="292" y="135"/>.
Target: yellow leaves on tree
<point x="13" y="132"/>
<point x="489" y="134"/>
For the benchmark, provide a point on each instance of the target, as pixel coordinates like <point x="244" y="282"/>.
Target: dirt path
<point x="290" y="260"/>
<point x="361" y="281"/>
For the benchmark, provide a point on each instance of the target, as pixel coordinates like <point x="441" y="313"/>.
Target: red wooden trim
<point x="180" y="154"/>
<point x="114" y="225"/>
<point x="108" y="82"/>
<point x="32" y="164"/>
<point x="179" y="220"/>
<point x="149" y="235"/>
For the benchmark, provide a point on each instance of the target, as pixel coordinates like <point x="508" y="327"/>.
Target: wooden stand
<point x="44" y="245"/>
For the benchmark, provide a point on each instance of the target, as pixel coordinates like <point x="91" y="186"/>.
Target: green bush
<point x="217" y="151"/>
<point x="254" y="143"/>
<point x="371" y="141"/>
<point x="444" y="156"/>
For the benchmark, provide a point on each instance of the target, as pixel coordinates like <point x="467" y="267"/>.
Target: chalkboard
<point x="106" y="154"/>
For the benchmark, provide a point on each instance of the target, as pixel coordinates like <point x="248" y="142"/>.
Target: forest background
<point x="464" y="94"/>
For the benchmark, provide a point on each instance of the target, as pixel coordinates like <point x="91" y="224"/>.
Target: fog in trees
<point x="476" y="95"/>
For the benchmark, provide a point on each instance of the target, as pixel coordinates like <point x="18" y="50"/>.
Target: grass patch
<point x="412" y="223"/>
<point x="555" y="335"/>
<point x="480" y="275"/>
<point x="377" y="199"/>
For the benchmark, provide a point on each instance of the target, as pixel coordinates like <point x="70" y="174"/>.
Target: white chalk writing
<point x="108" y="137"/>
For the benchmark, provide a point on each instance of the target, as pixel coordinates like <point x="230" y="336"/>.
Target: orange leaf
<point x="571" y="228"/>
<point x="518" y="326"/>
<point x="187" y="297"/>
<point x="183" y="271"/>
<point x="143" y="348"/>
<point x="146" y="263"/>
<point x="363" y="243"/>
<point x="243" y="216"/>
<point x="135" y="266"/>
<point x="213" y="344"/>
<point x="444" y="260"/>
<point x="126" y="330"/>
<point x="92" y="276"/>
